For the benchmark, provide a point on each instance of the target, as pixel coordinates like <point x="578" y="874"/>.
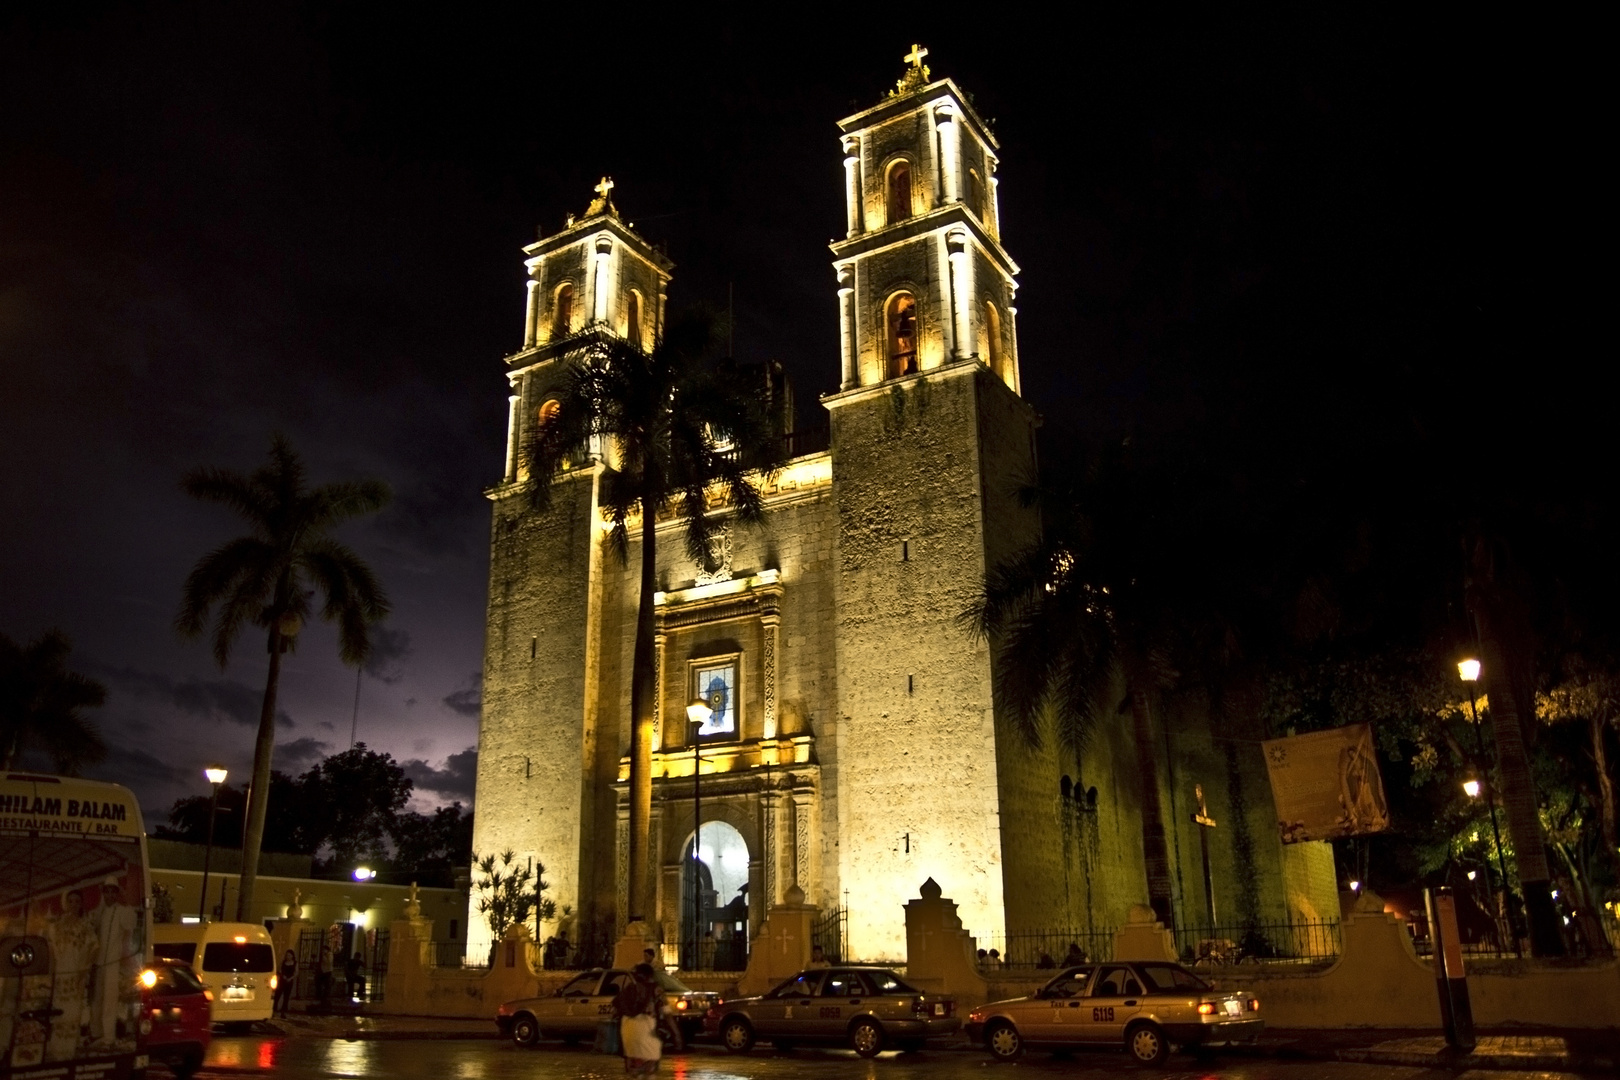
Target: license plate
<point x="238" y="993"/>
<point x="1234" y="1008"/>
<point x="939" y="1008"/>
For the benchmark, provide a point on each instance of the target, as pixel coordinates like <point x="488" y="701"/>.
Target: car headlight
<point x="148" y="978"/>
<point x="1206" y="1008"/>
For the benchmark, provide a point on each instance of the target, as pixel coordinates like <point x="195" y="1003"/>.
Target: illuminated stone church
<point x="855" y="748"/>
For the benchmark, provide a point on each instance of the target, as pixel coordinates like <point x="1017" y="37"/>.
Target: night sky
<point x="219" y="221"/>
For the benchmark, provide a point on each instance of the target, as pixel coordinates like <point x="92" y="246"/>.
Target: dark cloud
<point x="469" y="699"/>
<point x="389" y="648"/>
<point x="454" y="781"/>
<point x="212" y="699"/>
<point x="159" y="783"/>
<point x="297" y="756"/>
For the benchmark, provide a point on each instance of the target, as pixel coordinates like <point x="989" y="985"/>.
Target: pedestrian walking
<point x="286" y="978"/>
<point x="640" y="1008"/>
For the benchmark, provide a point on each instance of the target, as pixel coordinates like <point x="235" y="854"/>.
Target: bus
<point x="74" y="927"/>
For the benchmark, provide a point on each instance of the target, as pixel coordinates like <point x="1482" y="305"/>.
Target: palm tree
<point x="674" y="426"/>
<point x="268" y="578"/>
<point x="1097" y="606"/>
<point x="42" y="703"/>
<point x="1495" y="593"/>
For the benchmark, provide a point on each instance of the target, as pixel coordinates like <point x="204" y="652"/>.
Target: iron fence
<point x="1042" y="950"/>
<point x="377" y="969"/>
<point x="831" y="933"/>
<point x="1286" y="942"/>
<point x="453" y="954"/>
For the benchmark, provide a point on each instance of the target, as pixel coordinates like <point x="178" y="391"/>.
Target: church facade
<point x="854" y="746"/>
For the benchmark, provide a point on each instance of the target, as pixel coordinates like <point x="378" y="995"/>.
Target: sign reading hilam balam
<point x="30" y="804"/>
<point x="1326" y="784"/>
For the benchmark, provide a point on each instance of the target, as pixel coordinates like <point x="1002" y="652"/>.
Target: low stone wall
<point x="1380" y="981"/>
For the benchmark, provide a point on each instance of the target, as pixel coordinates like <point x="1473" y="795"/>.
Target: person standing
<point x="118" y="960"/>
<point x="286" y="979"/>
<point x="640" y="1007"/>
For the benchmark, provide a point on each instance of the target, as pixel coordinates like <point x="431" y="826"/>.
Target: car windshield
<point x="183" y="951"/>
<point x="173" y="981"/>
<point x="237" y="956"/>
<point x="669" y="983"/>
<point x="581" y="984"/>
<point x="887" y="982"/>
<point x="1069" y="984"/>
<point x="1170" y="978"/>
<point x="803" y="985"/>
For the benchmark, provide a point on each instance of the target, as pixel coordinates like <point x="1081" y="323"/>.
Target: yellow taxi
<point x="572" y="1012"/>
<point x="1145" y="1006"/>
<point x="868" y="1009"/>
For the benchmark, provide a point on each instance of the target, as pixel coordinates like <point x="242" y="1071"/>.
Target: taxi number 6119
<point x="832" y="1012"/>
<point x="1102" y="1014"/>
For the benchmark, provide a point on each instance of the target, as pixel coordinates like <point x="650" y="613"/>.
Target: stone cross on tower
<point x="603" y="203"/>
<point x="1205" y="823"/>
<point x="915" y="56"/>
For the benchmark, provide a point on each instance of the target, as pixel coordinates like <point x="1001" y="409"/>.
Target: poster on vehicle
<point x="1326" y="784"/>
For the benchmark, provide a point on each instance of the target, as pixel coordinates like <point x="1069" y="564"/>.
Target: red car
<point x="176" y="1017"/>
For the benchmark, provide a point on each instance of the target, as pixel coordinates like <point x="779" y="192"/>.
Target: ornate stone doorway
<point x="714" y="900"/>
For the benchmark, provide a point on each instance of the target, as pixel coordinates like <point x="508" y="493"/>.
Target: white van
<point x="237" y="961"/>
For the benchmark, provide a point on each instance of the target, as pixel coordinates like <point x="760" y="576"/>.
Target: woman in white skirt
<point x="640" y="1007"/>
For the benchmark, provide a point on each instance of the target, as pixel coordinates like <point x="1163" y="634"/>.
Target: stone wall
<point x="916" y="782"/>
<point x="539" y="708"/>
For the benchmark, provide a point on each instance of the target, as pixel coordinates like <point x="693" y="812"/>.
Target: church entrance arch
<point x="714" y="900"/>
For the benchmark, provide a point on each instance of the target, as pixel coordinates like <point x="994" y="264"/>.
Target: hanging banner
<point x="1326" y="784"/>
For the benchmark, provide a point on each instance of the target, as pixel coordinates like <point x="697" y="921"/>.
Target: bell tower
<point x="930" y="443"/>
<point x="922" y="277"/>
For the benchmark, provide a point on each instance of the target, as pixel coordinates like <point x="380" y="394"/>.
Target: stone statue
<point x="295" y="910"/>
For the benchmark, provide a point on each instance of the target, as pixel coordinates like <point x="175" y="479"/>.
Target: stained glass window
<point x="717" y="686"/>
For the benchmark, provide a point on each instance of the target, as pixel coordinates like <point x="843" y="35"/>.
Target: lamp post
<point x="216" y="775"/>
<point x="697" y="714"/>
<point x="1468" y="670"/>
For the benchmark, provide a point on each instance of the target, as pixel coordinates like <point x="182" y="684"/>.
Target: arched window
<point x="900" y="316"/>
<point x="995" y="353"/>
<point x="562" y="311"/>
<point x="899" y="191"/>
<point x="632" y="309"/>
<point x="548" y="413"/>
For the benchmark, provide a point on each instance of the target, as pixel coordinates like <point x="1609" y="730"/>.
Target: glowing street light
<point x="1468" y="671"/>
<point x="364" y="873"/>
<point x="216" y="776"/>
<point x="697" y="714"/>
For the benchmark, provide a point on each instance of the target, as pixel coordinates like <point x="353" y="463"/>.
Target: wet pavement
<point x="300" y="1056"/>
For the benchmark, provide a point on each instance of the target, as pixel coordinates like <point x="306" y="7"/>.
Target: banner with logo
<point x="1326" y="784"/>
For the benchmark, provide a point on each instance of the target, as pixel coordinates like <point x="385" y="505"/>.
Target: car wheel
<point x="737" y="1035"/>
<point x="1003" y="1041"/>
<point x="1146" y="1043"/>
<point x="525" y="1030"/>
<point x="867" y="1038"/>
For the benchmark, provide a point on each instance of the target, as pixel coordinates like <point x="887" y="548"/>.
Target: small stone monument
<point x="295" y="910"/>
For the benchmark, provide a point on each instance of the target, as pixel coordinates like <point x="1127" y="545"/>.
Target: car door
<point x="573" y="1008"/>
<point x="1055" y="1014"/>
<point x="843" y="995"/>
<point x="1116" y="996"/>
<point x="784" y="1010"/>
<point x="602" y="1000"/>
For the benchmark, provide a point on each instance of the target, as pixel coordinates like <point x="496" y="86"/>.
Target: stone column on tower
<point x="846" y="324"/>
<point x="531" y="315"/>
<point x="852" y="185"/>
<point x="961" y="291"/>
<point x="514" y="404"/>
<point x="950" y="134"/>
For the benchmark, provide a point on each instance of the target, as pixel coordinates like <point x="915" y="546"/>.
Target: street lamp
<point x="697" y="714"/>
<point x="216" y="776"/>
<point x="1468" y="671"/>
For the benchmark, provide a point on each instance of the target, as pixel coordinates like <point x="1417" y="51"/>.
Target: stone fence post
<point x="782" y="946"/>
<point x="1143" y="937"/>
<point x="939" y="952"/>
<point x="410" y="965"/>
